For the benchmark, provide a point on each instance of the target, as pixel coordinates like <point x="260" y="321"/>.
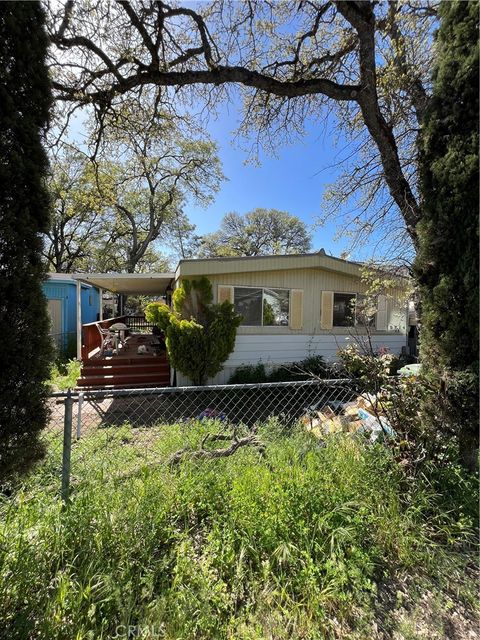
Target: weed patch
<point x="295" y="544"/>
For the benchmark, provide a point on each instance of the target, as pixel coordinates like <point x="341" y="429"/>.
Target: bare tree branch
<point x="289" y="74"/>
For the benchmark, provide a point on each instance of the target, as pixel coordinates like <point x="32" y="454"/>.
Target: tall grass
<point x="292" y="545"/>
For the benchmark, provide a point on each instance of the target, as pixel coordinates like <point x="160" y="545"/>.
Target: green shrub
<point x="313" y="366"/>
<point x="317" y="366"/>
<point x="158" y="313"/>
<point x="368" y="364"/>
<point x="199" y="335"/>
<point x="249" y="374"/>
<point x="64" y="375"/>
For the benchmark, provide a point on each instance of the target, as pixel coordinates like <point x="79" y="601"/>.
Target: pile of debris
<point x="363" y="416"/>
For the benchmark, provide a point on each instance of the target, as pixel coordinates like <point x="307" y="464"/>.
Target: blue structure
<point x="60" y="289"/>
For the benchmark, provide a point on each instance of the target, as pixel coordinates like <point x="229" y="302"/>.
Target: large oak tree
<point x="78" y="222"/>
<point x="122" y="197"/>
<point x="260" y="232"/>
<point x="367" y="63"/>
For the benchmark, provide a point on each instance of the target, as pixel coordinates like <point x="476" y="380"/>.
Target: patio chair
<point x="107" y="339"/>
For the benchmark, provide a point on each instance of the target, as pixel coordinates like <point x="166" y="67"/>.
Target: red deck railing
<point x="91" y="338"/>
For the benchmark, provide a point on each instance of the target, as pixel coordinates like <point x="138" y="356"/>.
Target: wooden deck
<point x="127" y="368"/>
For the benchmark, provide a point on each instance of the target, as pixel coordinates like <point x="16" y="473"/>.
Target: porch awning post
<point x="100" y="293"/>
<point x="79" y="320"/>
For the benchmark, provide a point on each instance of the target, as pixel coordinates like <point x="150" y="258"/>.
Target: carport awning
<point x="147" y="284"/>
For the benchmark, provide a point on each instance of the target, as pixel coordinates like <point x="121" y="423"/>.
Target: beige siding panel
<point x="326" y="310"/>
<point x="311" y="280"/>
<point x="276" y="350"/>
<point x="382" y="313"/>
<point x="296" y="309"/>
<point x="224" y="292"/>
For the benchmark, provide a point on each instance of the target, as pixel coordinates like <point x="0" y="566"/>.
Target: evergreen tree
<point x="25" y="350"/>
<point x="447" y="261"/>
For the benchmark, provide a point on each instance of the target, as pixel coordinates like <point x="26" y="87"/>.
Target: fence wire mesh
<point x="116" y="432"/>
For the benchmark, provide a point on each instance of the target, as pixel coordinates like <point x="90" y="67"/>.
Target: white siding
<point x="276" y="350"/>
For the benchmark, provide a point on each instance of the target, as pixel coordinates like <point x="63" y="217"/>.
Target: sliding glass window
<point x="262" y="307"/>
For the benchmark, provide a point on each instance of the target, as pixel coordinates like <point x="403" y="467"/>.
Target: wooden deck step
<point x="155" y="377"/>
<point x="110" y="360"/>
<point x="111" y="387"/>
<point x="127" y="369"/>
<point x="123" y="369"/>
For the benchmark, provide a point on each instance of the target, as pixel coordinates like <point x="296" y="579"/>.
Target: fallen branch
<point x="208" y="454"/>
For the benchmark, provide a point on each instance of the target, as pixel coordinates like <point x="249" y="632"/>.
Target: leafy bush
<point x="249" y="374"/>
<point x="363" y="364"/>
<point x="317" y="366"/>
<point x="360" y="362"/>
<point x="64" y="375"/>
<point x="403" y="401"/>
<point x="199" y="335"/>
<point x="158" y="313"/>
<point x="313" y="366"/>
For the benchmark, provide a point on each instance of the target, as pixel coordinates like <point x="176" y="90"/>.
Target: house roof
<point x="319" y="260"/>
<point x="156" y="283"/>
<point x="65" y="278"/>
<point x="128" y="283"/>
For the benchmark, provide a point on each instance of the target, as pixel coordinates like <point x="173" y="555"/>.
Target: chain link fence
<point x="112" y="434"/>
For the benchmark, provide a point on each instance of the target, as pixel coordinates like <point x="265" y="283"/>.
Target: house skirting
<point x="275" y="350"/>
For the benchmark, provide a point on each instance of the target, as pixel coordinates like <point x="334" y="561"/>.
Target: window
<point x="248" y="303"/>
<point x="275" y="307"/>
<point x="352" y="309"/>
<point x="262" y="307"/>
<point x="344" y="309"/>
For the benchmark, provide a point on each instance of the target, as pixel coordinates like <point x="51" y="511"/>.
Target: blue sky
<point x="294" y="181"/>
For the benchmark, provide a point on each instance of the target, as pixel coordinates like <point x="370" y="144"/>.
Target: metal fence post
<point x="67" y="445"/>
<point x="79" y="415"/>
